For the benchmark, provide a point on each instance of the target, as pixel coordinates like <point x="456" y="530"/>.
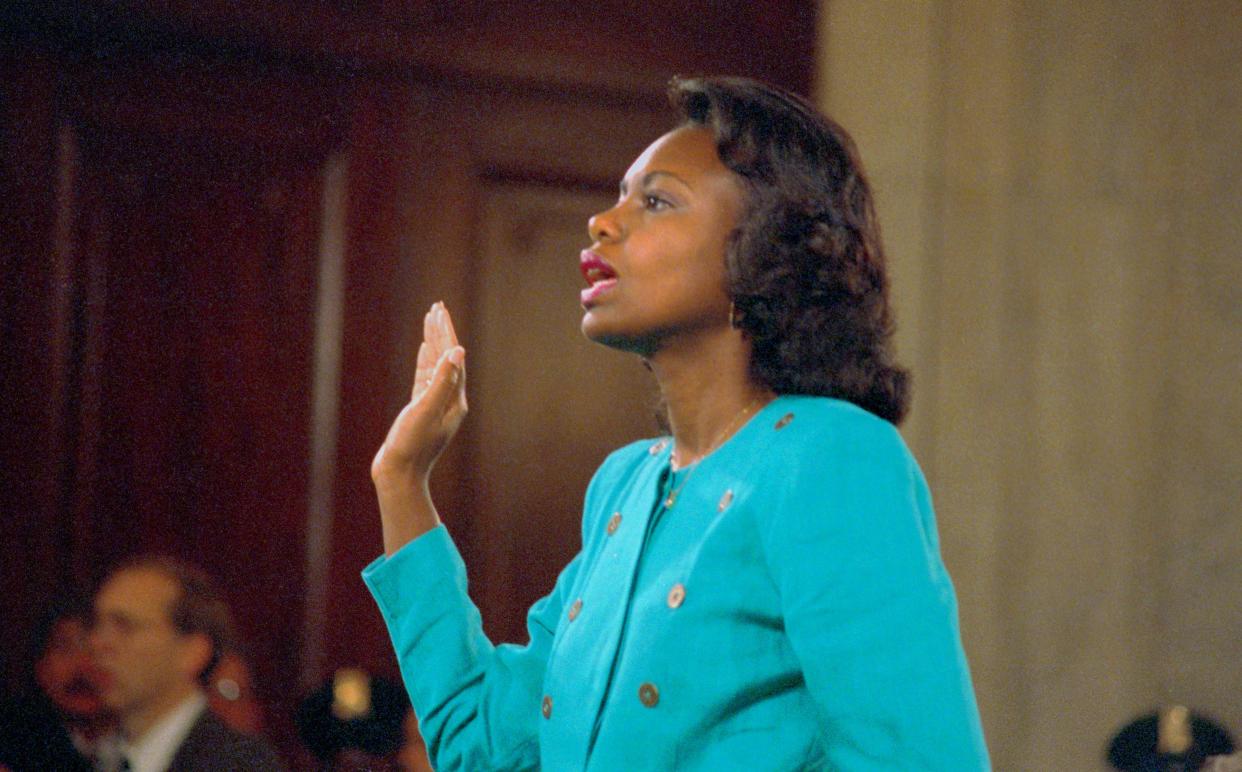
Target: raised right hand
<point x="436" y="408"/>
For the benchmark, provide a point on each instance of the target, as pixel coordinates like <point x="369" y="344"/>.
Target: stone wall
<point x="1059" y="184"/>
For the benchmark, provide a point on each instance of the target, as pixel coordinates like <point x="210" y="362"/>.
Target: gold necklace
<point x="734" y="424"/>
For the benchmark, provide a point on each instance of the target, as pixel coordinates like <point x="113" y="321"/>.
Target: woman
<point x="760" y="590"/>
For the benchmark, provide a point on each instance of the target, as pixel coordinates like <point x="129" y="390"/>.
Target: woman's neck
<point x="708" y="393"/>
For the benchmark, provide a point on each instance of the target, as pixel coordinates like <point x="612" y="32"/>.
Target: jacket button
<point x="546" y="708"/>
<point x="648" y="695"/>
<point x="725" y="501"/>
<point x="676" y="595"/>
<point x="614" y="523"/>
<point x="785" y="419"/>
<point x="575" y="609"/>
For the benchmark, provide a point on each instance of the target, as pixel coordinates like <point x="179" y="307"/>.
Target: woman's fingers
<point x="437" y="406"/>
<point x="423" y="370"/>
<point x="456" y="354"/>
<point x="447" y="382"/>
<point x="436" y="334"/>
<point x="425" y="364"/>
<point x="438" y="339"/>
<point x="439" y="374"/>
<point x="441" y="336"/>
<point x="429" y="330"/>
<point x="450" y="334"/>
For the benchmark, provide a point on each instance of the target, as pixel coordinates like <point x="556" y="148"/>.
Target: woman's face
<point x="656" y="269"/>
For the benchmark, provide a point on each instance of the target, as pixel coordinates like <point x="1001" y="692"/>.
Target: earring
<point x="735" y="316"/>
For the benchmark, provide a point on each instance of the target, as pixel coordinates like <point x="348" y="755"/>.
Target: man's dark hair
<point x="805" y="265"/>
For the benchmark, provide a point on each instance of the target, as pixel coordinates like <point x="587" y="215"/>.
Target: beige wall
<point x="1059" y="182"/>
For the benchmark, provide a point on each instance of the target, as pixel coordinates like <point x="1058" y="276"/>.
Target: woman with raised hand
<point x="762" y="588"/>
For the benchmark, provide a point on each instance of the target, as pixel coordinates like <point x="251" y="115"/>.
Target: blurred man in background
<point x="60" y="722"/>
<point x="160" y="630"/>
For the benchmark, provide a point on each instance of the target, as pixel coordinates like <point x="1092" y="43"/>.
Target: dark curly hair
<point x="805" y="267"/>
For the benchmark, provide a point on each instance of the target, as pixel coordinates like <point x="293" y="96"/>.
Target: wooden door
<point x="174" y="356"/>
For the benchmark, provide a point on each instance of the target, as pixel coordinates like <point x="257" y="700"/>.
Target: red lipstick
<point x="598" y="273"/>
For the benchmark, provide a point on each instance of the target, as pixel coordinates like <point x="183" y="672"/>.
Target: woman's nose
<point x="605" y="226"/>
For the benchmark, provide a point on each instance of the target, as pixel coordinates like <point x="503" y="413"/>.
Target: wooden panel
<point x="614" y="46"/>
<point x="34" y="348"/>
<point x="165" y="302"/>
<point x="408" y="214"/>
<point x="197" y="324"/>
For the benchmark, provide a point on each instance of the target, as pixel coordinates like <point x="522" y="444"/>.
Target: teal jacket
<point x="789" y="611"/>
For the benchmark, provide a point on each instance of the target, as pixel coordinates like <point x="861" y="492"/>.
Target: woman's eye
<point x="651" y="201"/>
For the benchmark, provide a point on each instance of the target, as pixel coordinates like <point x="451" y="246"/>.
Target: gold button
<point x="575" y="609"/>
<point x="785" y="419"/>
<point x="546" y="709"/>
<point x="614" y="523"/>
<point x="648" y="695"/>
<point x="676" y="595"/>
<point x="725" y="501"/>
<point x="656" y="448"/>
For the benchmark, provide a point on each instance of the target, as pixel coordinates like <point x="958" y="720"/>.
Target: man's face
<point x="147" y="666"/>
<point x="65" y="672"/>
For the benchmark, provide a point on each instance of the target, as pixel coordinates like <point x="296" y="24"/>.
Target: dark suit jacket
<point x="33" y="738"/>
<point x="211" y="746"/>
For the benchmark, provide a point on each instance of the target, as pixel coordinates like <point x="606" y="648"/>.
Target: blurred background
<point x="221" y="223"/>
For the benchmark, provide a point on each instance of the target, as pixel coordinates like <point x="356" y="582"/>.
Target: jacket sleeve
<point x="868" y="606"/>
<point x="477" y="703"/>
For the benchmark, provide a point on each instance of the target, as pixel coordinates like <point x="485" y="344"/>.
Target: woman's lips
<point x="591" y="293"/>
<point x="598" y="273"/>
